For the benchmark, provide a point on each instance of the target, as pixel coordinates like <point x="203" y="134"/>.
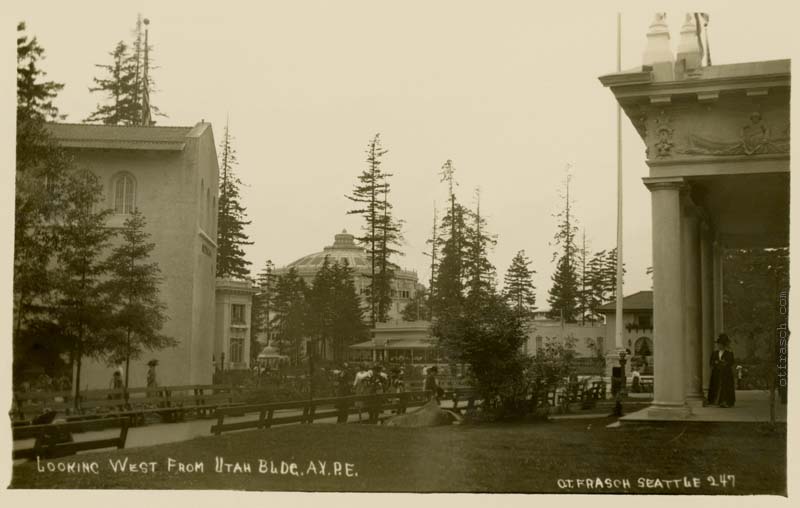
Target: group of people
<point x="366" y="380"/>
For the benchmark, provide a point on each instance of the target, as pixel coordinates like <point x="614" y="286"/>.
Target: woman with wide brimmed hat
<point x="721" y="389"/>
<point x="151" y="373"/>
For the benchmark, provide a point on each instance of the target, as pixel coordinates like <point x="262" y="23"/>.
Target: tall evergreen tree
<point x="288" y="321"/>
<point x="519" y="292"/>
<point x="42" y="168"/>
<point x="128" y="82"/>
<point x="381" y="231"/>
<point x="479" y="270"/>
<point x="83" y="304"/>
<point x="118" y="87"/>
<point x="391" y="235"/>
<point x="584" y="294"/>
<point x="140" y="64"/>
<point x="433" y="241"/>
<point x="133" y="287"/>
<point x="321" y="313"/>
<point x="263" y="306"/>
<point x="596" y="293"/>
<point x="230" y="216"/>
<point x="451" y="275"/>
<point x="610" y="274"/>
<point x="563" y="294"/>
<point x="34" y="96"/>
<point x="348" y="325"/>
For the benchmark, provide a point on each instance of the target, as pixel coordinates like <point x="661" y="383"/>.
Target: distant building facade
<point x="588" y="340"/>
<point x="637" y="329"/>
<point x="170" y="175"/>
<point x="233" y="314"/>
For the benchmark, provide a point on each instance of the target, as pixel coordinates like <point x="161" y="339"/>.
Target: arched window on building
<point x="124" y="193"/>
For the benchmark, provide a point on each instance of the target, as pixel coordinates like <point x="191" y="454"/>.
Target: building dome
<point x="344" y="248"/>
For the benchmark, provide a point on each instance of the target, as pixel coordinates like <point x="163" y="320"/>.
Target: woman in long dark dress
<point x="721" y="386"/>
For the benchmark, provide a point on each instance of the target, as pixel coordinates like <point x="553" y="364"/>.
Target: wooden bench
<point x="318" y="409"/>
<point x="55" y="439"/>
<point x="458" y="395"/>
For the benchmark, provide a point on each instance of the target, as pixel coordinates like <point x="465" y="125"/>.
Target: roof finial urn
<point x="689" y="53"/>
<point x="657" y="53"/>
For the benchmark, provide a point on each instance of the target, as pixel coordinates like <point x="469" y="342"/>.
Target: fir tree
<point x="563" y="294"/>
<point x="348" y="325"/>
<point x="479" y="270"/>
<point x="450" y="275"/>
<point x="42" y="168"/>
<point x="321" y="313"/>
<point x="118" y="87"/>
<point x="391" y="236"/>
<point x="381" y="231"/>
<point x="34" y="96"/>
<point x="263" y="305"/>
<point x="597" y="295"/>
<point x="583" y="276"/>
<point x="433" y="241"/>
<point x="128" y="83"/>
<point x="230" y="216"/>
<point x="519" y="292"/>
<point x="83" y="304"/>
<point x="610" y="274"/>
<point x="138" y="314"/>
<point x="288" y="321"/>
<point x="140" y="65"/>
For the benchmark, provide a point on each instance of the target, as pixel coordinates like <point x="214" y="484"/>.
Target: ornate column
<point x="669" y="345"/>
<point x="706" y="298"/>
<point x="691" y="305"/>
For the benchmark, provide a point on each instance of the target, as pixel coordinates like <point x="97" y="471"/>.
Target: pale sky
<point x="509" y="92"/>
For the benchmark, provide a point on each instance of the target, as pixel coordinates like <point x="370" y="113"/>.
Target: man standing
<point x="432" y="385"/>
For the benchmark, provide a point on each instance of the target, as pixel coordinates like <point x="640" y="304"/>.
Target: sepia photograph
<point x="397" y="247"/>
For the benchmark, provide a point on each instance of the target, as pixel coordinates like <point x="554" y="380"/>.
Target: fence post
<point x="220" y="419"/>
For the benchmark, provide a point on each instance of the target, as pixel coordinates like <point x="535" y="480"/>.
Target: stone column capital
<point x="664" y="183"/>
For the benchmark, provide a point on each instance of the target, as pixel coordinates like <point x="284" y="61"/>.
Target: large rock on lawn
<point x="429" y="415"/>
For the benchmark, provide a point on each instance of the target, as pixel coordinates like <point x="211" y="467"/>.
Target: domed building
<point x="344" y="248"/>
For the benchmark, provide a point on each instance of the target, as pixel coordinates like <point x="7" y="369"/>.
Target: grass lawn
<point x="532" y="457"/>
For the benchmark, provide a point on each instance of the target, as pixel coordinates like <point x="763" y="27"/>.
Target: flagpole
<point x="619" y="296"/>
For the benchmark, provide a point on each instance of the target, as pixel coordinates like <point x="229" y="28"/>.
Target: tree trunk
<point x="127" y="362"/>
<point x="77" y="390"/>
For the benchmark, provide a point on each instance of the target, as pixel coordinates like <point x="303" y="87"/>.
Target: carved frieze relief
<point x="664" y="133"/>
<point x="755" y="137"/>
<point x="671" y="132"/>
